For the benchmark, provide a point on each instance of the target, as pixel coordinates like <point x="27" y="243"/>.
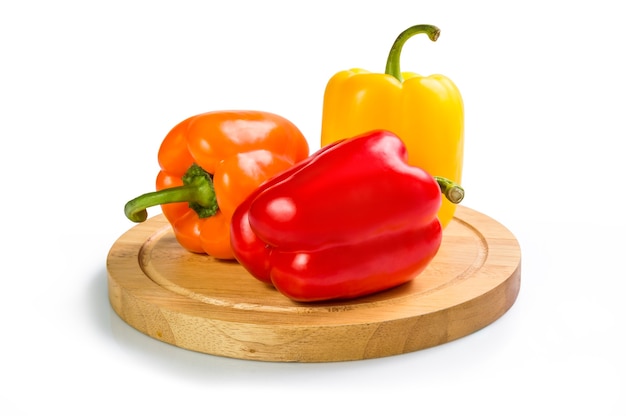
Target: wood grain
<point x="199" y="303"/>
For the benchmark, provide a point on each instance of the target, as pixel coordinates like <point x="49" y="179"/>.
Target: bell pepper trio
<point x="363" y="214"/>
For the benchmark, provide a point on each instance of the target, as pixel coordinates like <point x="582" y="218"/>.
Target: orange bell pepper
<point x="209" y="164"/>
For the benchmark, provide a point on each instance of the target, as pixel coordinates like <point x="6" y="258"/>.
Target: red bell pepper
<point x="350" y="220"/>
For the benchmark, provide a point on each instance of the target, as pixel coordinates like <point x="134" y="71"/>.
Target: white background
<point x="89" y="89"/>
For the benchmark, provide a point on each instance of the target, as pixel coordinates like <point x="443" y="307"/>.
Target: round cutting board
<point x="199" y="303"/>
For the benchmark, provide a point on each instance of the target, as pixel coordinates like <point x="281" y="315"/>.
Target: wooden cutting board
<point x="199" y="303"/>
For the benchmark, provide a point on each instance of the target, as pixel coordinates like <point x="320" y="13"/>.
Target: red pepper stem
<point x="393" y="60"/>
<point x="451" y="190"/>
<point x="197" y="189"/>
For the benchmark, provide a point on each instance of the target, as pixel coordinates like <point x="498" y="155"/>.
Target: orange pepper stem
<point x="393" y="60"/>
<point x="451" y="190"/>
<point x="197" y="189"/>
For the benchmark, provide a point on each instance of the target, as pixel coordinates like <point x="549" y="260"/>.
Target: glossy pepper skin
<point x="425" y="111"/>
<point x="209" y="164"/>
<point x="352" y="219"/>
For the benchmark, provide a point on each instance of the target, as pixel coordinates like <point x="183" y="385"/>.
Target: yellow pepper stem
<point x="393" y="60"/>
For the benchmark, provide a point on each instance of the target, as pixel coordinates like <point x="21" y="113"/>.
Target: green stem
<point x="451" y="190"/>
<point x="393" y="60"/>
<point x="197" y="189"/>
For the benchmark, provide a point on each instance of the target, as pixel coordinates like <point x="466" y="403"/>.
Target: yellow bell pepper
<point x="425" y="112"/>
